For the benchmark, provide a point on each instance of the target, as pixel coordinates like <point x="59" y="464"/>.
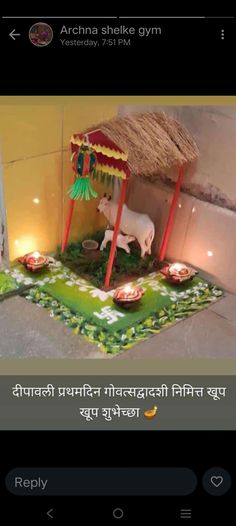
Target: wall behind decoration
<point x="203" y="234"/>
<point x="34" y="145"/>
<point x="214" y="130"/>
<point x="205" y="221"/>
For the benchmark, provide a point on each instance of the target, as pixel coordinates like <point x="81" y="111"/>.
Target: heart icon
<point x="217" y="481"/>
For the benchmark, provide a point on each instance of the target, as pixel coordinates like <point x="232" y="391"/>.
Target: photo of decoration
<point x="108" y="234"/>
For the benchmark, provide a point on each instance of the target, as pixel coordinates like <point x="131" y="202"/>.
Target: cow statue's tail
<point x="149" y="240"/>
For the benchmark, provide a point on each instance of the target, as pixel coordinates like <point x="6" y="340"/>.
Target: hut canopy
<point x="154" y="142"/>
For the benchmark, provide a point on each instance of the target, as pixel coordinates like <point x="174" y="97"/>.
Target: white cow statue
<point x="132" y="223"/>
<point x="122" y="241"/>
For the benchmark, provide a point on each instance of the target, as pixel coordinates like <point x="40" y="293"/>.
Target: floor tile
<point x="204" y="335"/>
<point x="27" y="331"/>
<point x="226" y="307"/>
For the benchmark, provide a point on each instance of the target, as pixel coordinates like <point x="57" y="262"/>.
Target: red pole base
<point x="116" y="231"/>
<point x="171" y="216"/>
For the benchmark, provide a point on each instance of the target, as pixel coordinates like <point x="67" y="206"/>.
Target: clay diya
<point x="34" y="261"/>
<point x="151" y="413"/>
<point x="178" y="273"/>
<point x="127" y="296"/>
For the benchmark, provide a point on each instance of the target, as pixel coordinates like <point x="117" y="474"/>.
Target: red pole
<point x="116" y="231"/>
<point x="171" y="216"/>
<point x="68" y="224"/>
<point x="70" y="212"/>
<point x="85" y="172"/>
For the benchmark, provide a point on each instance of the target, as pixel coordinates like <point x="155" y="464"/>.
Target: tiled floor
<point x="27" y="331"/>
<point x="208" y="334"/>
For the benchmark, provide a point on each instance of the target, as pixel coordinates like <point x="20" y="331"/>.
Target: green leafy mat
<point x="17" y="279"/>
<point x="90" y="311"/>
<point x="7" y="284"/>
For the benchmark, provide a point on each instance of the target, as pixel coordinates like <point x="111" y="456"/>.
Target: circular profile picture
<point x="40" y="34"/>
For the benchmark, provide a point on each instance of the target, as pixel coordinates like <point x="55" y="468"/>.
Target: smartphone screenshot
<point x="117" y="266"/>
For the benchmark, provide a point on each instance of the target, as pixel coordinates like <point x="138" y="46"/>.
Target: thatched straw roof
<point x="155" y="142"/>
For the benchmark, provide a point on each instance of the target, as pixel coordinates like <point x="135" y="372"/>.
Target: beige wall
<point x="34" y="146"/>
<point x="205" y="222"/>
<point x="203" y="234"/>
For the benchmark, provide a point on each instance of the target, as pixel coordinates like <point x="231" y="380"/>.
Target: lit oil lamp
<point x="34" y="261"/>
<point x="127" y="296"/>
<point x="178" y="272"/>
